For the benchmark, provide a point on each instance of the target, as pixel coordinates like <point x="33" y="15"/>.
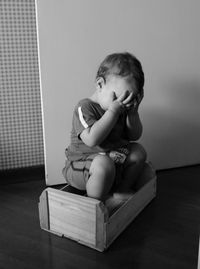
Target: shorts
<point x="77" y="174"/>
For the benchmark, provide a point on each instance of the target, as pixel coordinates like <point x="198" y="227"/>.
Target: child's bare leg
<point x="102" y="175"/>
<point x="133" y="166"/>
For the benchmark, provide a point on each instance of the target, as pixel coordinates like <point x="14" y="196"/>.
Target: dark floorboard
<point x="164" y="235"/>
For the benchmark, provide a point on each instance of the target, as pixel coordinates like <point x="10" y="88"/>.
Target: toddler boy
<point x="103" y="152"/>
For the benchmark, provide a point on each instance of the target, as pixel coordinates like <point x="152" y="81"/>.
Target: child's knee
<point x="137" y="154"/>
<point x="103" y="165"/>
<point x="102" y="174"/>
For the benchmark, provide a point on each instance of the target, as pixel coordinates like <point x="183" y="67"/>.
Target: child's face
<point x="114" y="87"/>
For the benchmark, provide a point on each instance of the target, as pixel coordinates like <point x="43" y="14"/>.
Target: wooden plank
<point x="128" y="211"/>
<point x="101" y="218"/>
<point x="44" y="210"/>
<point x="73" y="216"/>
<point x="67" y="195"/>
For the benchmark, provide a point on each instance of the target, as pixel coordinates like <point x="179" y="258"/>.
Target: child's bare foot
<point x="123" y="195"/>
<point x="116" y="200"/>
<point x="113" y="204"/>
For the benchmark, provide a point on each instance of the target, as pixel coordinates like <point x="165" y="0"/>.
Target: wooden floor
<point x="164" y="235"/>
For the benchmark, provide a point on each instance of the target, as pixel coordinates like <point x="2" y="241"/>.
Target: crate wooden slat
<point x="128" y="212"/>
<point x="77" y="217"/>
<point x="87" y="220"/>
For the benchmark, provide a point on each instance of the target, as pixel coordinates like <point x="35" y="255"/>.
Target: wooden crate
<point x="89" y="221"/>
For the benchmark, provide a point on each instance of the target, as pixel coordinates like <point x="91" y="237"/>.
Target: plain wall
<point x="76" y="35"/>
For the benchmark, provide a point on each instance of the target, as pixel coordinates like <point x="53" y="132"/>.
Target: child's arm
<point x="95" y="135"/>
<point x="133" y="122"/>
<point x="134" y="126"/>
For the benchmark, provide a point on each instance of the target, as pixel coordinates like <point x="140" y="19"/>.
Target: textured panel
<point x="21" y="141"/>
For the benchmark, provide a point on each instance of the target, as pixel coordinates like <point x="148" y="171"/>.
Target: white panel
<point x="76" y="35"/>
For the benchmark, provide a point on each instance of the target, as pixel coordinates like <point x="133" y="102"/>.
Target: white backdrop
<point x="76" y="35"/>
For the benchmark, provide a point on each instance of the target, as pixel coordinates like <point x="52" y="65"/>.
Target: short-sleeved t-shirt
<point x="86" y="113"/>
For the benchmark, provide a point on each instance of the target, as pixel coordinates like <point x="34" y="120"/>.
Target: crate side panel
<point x="101" y="218"/>
<point x="44" y="210"/>
<point x="128" y="211"/>
<point x="72" y="218"/>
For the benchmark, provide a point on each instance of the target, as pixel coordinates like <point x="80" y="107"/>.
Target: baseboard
<point x="24" y="174"/>
<point x="178" y="167"/>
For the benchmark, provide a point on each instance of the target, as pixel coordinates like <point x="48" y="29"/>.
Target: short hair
<point x="122" y="64"/>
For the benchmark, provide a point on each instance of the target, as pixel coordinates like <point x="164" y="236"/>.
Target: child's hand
<point x="120" y="104"/>
<point x="134" y="104"/>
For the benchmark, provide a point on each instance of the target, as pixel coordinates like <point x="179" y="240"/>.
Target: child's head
<point x="122" y="65"/>
<point x="119" y="72"/>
